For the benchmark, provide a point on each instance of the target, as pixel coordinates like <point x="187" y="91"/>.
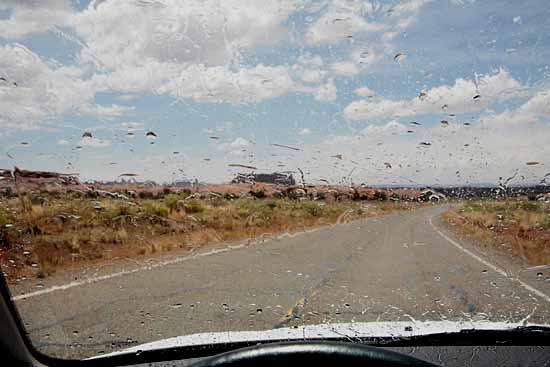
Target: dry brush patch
<point x="40" y="234"/>
<point x="521" y="227"/>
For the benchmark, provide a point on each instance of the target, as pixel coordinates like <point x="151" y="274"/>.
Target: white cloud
<point x="239" y="143"/>
<point x="177" y="30"/>
<point x="458" y="98"/>
<point x="326" y="92"/>
<point x="106" y="111"/>
<point x="480" y="153"/>
<point x="408" y="6"/>
<point x="94" y="142"/>
<point x="364" y="92"/>
<point x="533" y="110"/>
<point x="169" y="47"/>
<point x="365" y="56"/>
<point x="341" y="20"/>
<point x="312" y="76"/>
<point x="388" y="128"/>
<point x="308" y="68"/>
<point x="221" y="84"/>
<point x="333" y="27"/>
<point x="346" y="68"/>
<point x="132" y="126"/>
<point x="41" y="92"/>
<point x="27" y="16"/>
<point x="344" y="19"/>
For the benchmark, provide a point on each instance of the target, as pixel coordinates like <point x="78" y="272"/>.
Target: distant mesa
<point x="37" y="178"/>
<point x="275" y="178"/>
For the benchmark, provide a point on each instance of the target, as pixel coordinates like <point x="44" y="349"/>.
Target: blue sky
<point x="328" y="77"/>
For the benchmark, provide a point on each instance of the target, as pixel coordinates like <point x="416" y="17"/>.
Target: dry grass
<point x="49" y="232"/>
<point x="522" y="227"/>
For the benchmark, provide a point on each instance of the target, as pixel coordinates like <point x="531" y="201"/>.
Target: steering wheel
<point x="312" y="354"/>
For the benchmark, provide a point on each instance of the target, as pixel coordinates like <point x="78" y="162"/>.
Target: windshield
<point x="341" y="168"/>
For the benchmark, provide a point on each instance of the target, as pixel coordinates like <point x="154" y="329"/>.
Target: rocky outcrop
<point x="23" y="180"/>
<point x="275" y="178"/>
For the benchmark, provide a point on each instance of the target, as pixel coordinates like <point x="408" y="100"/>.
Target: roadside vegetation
<point x="41" y="233"/>
<point x="520" y="227"/>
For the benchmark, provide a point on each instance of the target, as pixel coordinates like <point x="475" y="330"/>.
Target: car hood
<point x="356" y="331"/>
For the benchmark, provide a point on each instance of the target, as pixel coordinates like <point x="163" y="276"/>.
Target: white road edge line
<point x="489" y="265"/>
<point x="123" y="272"/>
<point x="91" y="280"/>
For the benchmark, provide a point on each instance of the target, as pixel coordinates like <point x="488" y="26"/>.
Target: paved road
<point x="402" y="266"/>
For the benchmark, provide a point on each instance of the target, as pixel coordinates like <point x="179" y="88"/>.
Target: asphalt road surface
<point x="404" y="266"/>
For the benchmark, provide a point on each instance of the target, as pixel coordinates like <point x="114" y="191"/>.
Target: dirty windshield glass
<point x="288" y="169"/>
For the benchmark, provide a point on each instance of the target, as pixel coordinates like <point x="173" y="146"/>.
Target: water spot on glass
<point x="151" y="134"/>
<point x="87" y="134"/>
<point x="400" y="56"/>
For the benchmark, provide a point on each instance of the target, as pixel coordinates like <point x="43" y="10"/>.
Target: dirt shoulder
<point x="518" y="228"/>
<point x="47" y="233"/>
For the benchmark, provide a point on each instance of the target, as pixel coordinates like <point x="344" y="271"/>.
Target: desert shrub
<point x="3" y="218"/>
<point x="310" y="208"/>
<point x="156" y="209"/>
<point x="529" y="206"/>
<point x="545" y="223"/>
<point x="259" y="194"/>
<point x="117" y="211"/>
<point x="380" y="195"/>
<point x="145" y="195"/>
<point x="194" y="206"/>
<point x="171" y="201"/>
<point x="91" y="194"/>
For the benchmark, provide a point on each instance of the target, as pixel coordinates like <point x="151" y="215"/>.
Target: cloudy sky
<point x="376" y="92"/>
